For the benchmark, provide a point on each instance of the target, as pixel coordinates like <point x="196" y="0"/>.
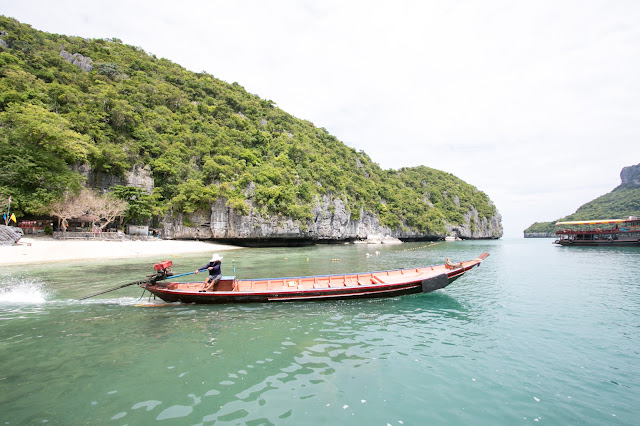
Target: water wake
<point x="22" y="291"/>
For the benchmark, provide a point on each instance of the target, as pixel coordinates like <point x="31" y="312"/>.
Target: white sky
<point x="536" y="103"/>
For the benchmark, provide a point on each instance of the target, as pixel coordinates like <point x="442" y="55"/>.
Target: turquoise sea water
<point x="537" y="334"/>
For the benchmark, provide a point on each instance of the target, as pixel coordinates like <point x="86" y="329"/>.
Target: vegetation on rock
<point x="202" y="139"/>
<point x="622" y="202"/>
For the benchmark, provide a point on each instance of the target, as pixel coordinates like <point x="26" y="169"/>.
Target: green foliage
<point x="111" y="70"/>
<point x="620" y="203"/>
<point x="141" y="203"/>
<point x="542" y="228"/>
<point x="238" y="204"/>
<point x="192" y="195"/>
<point x="36" y="149"/>
<point x="202" y="138"/>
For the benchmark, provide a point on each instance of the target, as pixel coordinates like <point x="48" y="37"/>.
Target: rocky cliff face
<point x="630" y="176"/>
<point x="331" y="223"/>
<point x="478" y="228"/>
<point x="139" y="177"/>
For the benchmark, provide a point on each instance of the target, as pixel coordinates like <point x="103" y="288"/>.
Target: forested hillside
<point x="622" y="202"/>
<point x="69" y="103"/>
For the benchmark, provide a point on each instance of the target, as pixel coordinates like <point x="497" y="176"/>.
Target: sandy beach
<point x="41" y="249"/>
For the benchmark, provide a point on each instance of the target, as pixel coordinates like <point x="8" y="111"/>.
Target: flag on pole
<point x="9" y="199"/>
<point x="13" y="218"/>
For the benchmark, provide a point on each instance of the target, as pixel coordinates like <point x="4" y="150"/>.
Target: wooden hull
<point x="614" y="243"/>
<point x="328" y="287"/>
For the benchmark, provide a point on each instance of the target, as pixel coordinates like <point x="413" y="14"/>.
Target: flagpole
<point x="6" y="221"/>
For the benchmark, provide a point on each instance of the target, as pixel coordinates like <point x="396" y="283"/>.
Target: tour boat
<point x="618" y="232"/>
<point x="324" y="287"/>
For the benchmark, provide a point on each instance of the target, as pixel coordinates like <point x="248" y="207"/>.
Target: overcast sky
<point x="536" y="103"/>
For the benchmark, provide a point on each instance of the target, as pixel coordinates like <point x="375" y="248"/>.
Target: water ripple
<point x="536" y="334"/>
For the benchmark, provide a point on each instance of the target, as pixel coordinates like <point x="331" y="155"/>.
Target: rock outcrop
<point x="10" y="235"/>
<point x="85" y="63"/>
<point x="331" y="223"/>
<point x="139" y="177"/>
<point x="630" y="176"/>
<point x="2" y="42"/>
<point x="475" y="227"/>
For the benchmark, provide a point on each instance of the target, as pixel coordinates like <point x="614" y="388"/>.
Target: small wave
<point x="23" y="291"/>
<point x="122" y="301"/>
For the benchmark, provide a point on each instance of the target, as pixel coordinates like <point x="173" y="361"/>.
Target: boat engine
<point x="163" y="270"/>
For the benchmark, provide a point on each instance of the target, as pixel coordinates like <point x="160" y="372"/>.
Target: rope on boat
<point x="143" y="290"/>
<point x="151" y="279"/>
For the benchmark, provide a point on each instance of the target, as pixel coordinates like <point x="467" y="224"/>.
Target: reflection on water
<point x="527" y="336"/>
<point x="258" y="357"/>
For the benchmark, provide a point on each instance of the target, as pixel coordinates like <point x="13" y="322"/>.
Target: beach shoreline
<point x="32" y="250"/>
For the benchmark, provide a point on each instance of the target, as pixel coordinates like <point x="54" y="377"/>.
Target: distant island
<point x="620" y="203"/>
<point x="198" y="158"/>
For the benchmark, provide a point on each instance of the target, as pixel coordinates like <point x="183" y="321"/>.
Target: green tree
<point x="37" y="150"/>
<point x="194" y="195"/>
<point x="140" y="203"/>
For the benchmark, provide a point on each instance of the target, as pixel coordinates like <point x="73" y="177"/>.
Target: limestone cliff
<point x="138" y="176"/>
<point x="331" y="223"/>
<point x="630" y="176"/>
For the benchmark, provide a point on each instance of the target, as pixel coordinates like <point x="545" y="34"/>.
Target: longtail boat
<point x="323" y="287"/>
<point x="616" y="232"/>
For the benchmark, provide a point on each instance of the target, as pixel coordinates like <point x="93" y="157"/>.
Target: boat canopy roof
<point x="593" y="222"/>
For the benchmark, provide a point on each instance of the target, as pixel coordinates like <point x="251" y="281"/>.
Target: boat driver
<point x="215" y="273"/>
